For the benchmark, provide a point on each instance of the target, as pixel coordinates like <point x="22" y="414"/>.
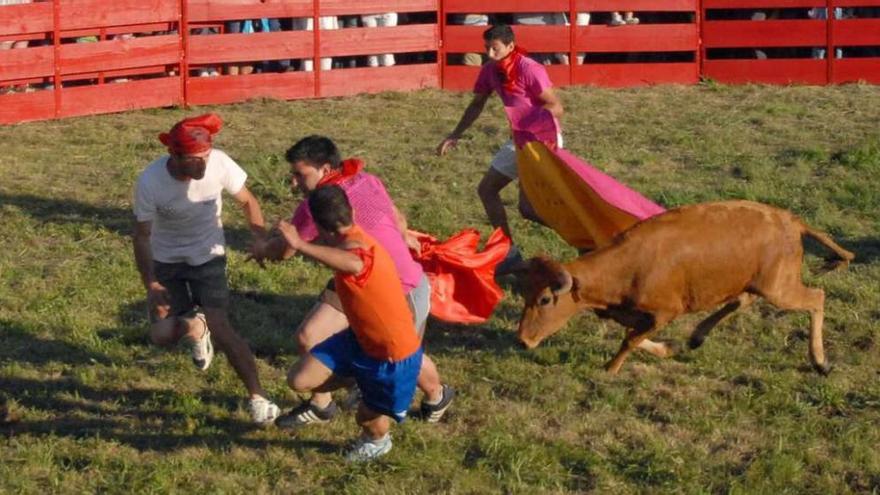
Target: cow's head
<point x="551" y="299"/>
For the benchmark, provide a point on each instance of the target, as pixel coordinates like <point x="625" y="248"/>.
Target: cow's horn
<point x="563" y="283"/>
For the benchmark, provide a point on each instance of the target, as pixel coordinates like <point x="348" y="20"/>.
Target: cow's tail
<point x="842" y="256"/>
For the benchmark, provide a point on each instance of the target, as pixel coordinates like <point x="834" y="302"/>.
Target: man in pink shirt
<point x="533" y="110"/>
<point x="315" y="162"/>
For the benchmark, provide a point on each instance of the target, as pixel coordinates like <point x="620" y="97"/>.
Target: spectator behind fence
<point x="276" y="65"/>
<point x="8" y="45"/>
<point x="821" y="13"/>
<point x="345" y="22"/>
<point x="206" y="71"/>
<point x="307" y="24"/>
<point x="380" y="20"/>
<point x="246" y="27"/>
<point x="582" y="19"/>
<point x="544" y="19"/>
<point x="626" y="18"/>
<point x="249" y="26"/>
<point x="471" y="20"/>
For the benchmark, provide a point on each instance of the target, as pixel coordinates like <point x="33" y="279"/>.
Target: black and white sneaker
<point x="306" y="414"/>
<point x="202" y="349"/>
<point x="433" y="413"/>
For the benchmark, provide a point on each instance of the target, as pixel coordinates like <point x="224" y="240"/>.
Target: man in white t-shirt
<point x="179" y="248"/>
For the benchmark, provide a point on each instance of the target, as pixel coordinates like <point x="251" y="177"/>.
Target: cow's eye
<point x="544" y="301"/>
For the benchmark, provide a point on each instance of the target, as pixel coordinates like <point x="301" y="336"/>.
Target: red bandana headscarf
<point x="508" y="67"/>
<point x="192" y="135"/>
<point x="349" y="169"/>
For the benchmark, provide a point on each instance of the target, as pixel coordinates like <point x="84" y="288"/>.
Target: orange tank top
<point x="374" y="302"/>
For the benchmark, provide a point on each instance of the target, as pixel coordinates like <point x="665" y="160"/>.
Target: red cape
<point x="463" y="287"/>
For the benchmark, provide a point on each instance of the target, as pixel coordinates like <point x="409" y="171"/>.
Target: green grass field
<point x="90" y="406"/>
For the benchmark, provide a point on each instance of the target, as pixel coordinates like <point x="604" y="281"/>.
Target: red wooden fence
<point x="582" y="41"/>
<point x="678" y="41"/>
<point x="789" y="49"/>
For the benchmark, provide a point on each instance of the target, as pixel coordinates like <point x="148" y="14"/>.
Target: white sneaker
<point x="367" y="450"/>
<point x="263" y="411"/>
<point x="203" y="349"/>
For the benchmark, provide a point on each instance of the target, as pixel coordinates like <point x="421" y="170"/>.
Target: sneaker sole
<point x="371" y="457"/>
<point x="294" y="424"/>
<point x="289" y="422"/>
<point x="204" y="364"/>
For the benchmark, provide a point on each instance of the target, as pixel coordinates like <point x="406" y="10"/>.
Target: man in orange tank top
<point x="381" y="350"/>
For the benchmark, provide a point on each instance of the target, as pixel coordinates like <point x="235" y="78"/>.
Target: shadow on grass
<point x="266" y="321"/>
<point x="866" y="249"/>
<point x="137" y="417"/>
<point x="21" y="346"/>
<point x="444" y="338"/>
<point x="143" y="418"/>
<point x="447" y="339"/>
<point x="118" y="220"/>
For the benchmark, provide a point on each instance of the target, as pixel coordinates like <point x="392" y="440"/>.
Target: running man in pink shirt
<point x="315" y="162"/>
<point x="533" y="110"/>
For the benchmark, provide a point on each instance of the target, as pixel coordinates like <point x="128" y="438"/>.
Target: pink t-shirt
<point x="529" y="120"/>
<point x="373" y="212"/>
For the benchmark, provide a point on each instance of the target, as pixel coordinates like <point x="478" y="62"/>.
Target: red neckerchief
<point x="349" y="169"/>
<point x="507" y="68"/>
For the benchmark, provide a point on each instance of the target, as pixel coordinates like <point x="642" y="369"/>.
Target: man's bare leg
<point x="489" y="191"/>
<point x="236" y="349"/>
<point x="321" y="323"/>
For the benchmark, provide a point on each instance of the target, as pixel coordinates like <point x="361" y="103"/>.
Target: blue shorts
<point x="387" y="387"/>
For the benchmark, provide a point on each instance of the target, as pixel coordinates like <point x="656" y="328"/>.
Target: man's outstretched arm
<point x="471" y="114"/>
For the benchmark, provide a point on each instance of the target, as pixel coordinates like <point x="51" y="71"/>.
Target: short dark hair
<point x="316" y="150"/>
<point x="501" y="32"/>
<point x="330" y="208"/>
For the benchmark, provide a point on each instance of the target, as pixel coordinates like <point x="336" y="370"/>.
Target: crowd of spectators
<point x="14" y="44"/>
<point x="788" y="14"/>
<point x="611" y="19"/>
<point x="390" y="19"/>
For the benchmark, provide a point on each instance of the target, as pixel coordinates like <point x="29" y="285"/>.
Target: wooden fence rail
<point x="93" y="56"/>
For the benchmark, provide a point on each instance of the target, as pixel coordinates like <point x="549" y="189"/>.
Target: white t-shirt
<point x="186" y="214"/>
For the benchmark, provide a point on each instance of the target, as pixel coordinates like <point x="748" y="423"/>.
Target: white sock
<point x="434" y="402"/>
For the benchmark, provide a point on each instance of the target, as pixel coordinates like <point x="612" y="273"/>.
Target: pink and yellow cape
<point x="585" y="206"/>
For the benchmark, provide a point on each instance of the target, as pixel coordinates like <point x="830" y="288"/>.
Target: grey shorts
<point x="418" y="299"/>
<point x="190" y="286"/>
<point x="504" y="161"/>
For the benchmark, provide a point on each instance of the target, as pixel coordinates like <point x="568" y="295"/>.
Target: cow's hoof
<point x="823" y="368"/>
<point x="695" y="342"/>
<point x="612" y="369"/>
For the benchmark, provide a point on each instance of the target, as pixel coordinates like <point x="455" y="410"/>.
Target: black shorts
<point x="190" y="286"/>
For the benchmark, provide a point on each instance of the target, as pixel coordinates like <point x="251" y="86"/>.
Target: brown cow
<point x="689" y="259"/>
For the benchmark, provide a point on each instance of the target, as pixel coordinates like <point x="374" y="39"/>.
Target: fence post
<point x="701" y="51"/>
<point x="56" y="54"/>
<point x="572" y="40"/>
<point x="316" y="36"/>
<point x="183" y="32"/>
<point x="830" y="15"/>
<point x="441" y="49"/>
